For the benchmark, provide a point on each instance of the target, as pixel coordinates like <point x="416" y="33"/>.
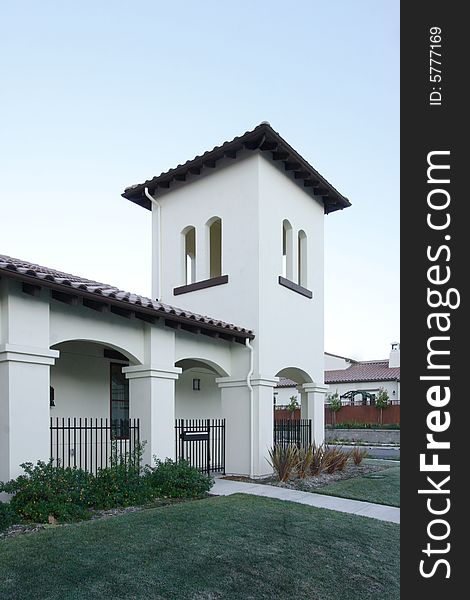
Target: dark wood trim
<point x="65" y="297"/>
<point x="31" y="290"/>
<point x="295" y="287"/>
<point x="200" y="285"/>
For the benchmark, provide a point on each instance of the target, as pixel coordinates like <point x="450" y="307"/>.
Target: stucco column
<point x="313" y="407"/>
<point x="24" y="406"/>
<point x="249" y="423"/>
<point x="235" y="402"/>
<point x="152" y="400"/>
<point x="263" y="423"/>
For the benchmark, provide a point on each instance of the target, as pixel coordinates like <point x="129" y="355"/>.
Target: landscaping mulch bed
<point x="310" y="483"/>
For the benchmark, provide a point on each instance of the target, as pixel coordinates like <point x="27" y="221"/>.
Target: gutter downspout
<point x="250" y="387"/>
<point x="157" y="289"/>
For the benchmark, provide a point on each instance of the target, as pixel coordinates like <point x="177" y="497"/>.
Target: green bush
<point x="119" y="486"/>
<point x="46" y="490"/>
<point x="7" y="516"/>
<point x="122" y="483"/>
<point x="357" y="425"/>
<point x="68" y="494"/>
<point x="177" y="479"/>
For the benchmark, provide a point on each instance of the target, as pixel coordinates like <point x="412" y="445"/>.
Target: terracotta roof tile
<point x="262" y="138"/>
<point x="29" y="272"/>
<point x="364" y="371"/>
<point x="377" y="370"/>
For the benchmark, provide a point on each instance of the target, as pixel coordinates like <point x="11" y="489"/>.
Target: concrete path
<point x="226" y="487"/>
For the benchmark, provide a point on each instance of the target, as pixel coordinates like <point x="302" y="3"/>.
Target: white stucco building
<point x="238" y="235"/>
<point x="344" y="375"/>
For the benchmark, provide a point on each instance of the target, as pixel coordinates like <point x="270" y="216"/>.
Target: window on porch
<point x="119" y="402"/>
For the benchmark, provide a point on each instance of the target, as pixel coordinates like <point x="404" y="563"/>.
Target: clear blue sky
<point x="99" y="95"/>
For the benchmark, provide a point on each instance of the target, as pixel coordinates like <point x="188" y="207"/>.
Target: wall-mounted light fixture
<point x="51" y="396"/>
<point x="196" y="385"/>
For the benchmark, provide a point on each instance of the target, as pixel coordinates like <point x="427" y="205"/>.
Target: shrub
<point x="7" y="516"/>
<point x="177" y="479"/>
<point x="358" y="454"/>
<point x="292" y="406"/>
<point x="357" y="425"/>
<point x="382" y="400"/>
<point x="122" y="483"/>
<point x="119" y="486"/>
<point x="334" y="459"/>
<point x="284" y="460"/>
<point x="317" y="459"/>
<point x="305" y="458"/>
<point x="47" y="490"/>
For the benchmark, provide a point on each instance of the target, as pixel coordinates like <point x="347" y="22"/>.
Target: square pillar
<point x="24" y="407"/>
<point x="249" y="423"/>
<point x="235" y="401"/>
<point x="152" y="400"/>
<point x="313" y="407"/>
<point x="263" y="424"/>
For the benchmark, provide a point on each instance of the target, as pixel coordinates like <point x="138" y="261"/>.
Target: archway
<point x="89" y="406"/>
<point x="87" y="381"/>
<point x="289" y="380"/>
<point x="197" y="393"/>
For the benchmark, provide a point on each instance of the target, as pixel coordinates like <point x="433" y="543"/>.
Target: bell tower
<point x="238" y="234"/>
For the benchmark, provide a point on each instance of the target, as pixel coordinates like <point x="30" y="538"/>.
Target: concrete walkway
<point x="226" y="487"/>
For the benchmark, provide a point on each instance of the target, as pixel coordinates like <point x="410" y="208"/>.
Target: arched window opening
<point x="215" y="247"/>
<point x="287" y="264"/>
<point x="190" y="255"/>
<point x="302" y="259"/>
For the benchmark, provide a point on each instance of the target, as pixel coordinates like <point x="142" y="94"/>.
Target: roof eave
<point x="261" y="139"/>
<point x="240" y="336"/>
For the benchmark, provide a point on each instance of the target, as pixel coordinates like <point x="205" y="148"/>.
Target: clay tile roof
<point x="374" y="370"/>
<point x="263" y="139"/>
<point x="364" y="371"/>
<point x="284" y="382"/>
<point x="39" y="275"/>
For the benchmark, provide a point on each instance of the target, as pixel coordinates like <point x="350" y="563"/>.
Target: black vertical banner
<point x="435" y="247"/>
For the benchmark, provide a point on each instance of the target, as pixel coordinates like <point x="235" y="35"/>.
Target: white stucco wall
<point x="203" y="404"/>
<point x="283" y="395"/>
<point x="252" y="197"/>
<point x="232" y="195"/>
<point x="333" y="363"/>
<point x="291" y="325"/>
<point x="81" y="381"/>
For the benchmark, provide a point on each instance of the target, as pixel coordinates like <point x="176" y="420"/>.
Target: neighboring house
<point x="237" y="233"/>
<point x="345" y="375"/>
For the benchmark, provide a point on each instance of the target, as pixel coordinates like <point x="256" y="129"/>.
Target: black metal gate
<point x="293" y="431"/>
<point x="202" y="443"/>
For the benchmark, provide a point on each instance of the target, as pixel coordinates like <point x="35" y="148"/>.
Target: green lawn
<point x="382" y="487"/>
<point x="236" y="547"/>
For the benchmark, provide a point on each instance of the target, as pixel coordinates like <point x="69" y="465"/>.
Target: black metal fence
<point x="202" y="443"/>
<point x="293" y="431"/>
<point x="93" y="443"/>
